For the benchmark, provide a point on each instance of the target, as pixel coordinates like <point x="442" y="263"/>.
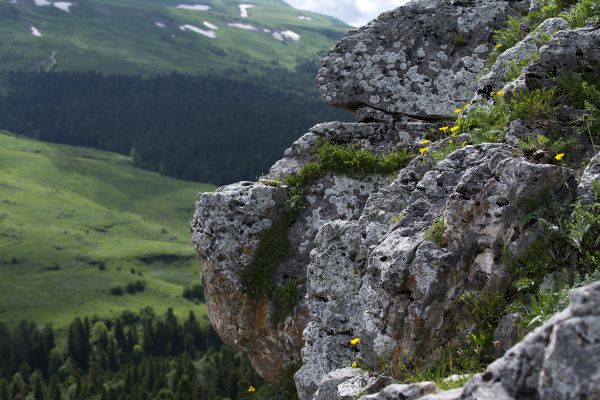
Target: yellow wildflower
<point x="424" y="150"/>
<point x="458" y="110"/>
<point x="444" y="129"/>
<point x="499" y="46"/>
<point x="559" y="156"/>
<point x="355" y="341"/>
<point x="450" y="141"/>
<point x="251" y="389"/>
<point x="453" y="135"/>
<point x="354" y="364"/>
<point x="500" y="93"/>
<point x="425" y="141"/>
<point x="454" y="129"/>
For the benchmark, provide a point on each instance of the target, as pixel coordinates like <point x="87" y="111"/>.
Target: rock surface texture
<point x="361" y="252"/>
<point x="559" y="360"/>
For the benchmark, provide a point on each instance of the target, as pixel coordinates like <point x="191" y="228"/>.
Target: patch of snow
<point x="303" y="18"/>
<point x="195" y="7"/>
<point x="35" y="32"/>
<point x="244" y="10"/>
<point x="246" y="27"/>
<point x="281" y="36"/>
<point x="63" y="5"/>
<point x="42" y="3"/>
<point x="210" y="26"/>
<point x="291" y="35"/>
<point x="266" y="30"/>
<point x="160" y="24"/>
<point x="209" y="34"/>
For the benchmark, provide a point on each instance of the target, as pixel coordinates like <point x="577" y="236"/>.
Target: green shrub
<point x="583" y="13"/>
<point x="536" y="104"/>
<point x="515" y="68"/>
<point x="285" y="299"/>
<point x="435" y="232"/>
<point x="488" y="123"/>
<point x="273" y="249"/>
<point x="540" y="142"/>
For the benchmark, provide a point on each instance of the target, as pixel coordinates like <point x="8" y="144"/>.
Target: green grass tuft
<point x="435" y="232"/>
<point x="536" y="104"/>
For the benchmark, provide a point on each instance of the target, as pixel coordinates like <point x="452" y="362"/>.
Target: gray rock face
<point x="569" y="51"/>
<point x="523" y="52"/>
<point x="393" y="288"/>
<point x="421" y="59"/>
<point x="558" y="361"/>
<point x="586" y="191"/>
<point x="360" y="248"/>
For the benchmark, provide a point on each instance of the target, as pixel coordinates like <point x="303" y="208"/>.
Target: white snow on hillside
<point x="63" y="5"/>
<point x="159" y="24"/>
<point x="42" y="3"/>
<point x="244" y="10"/>
<point x="35" y="32"/>
<point x="210" y="26"/>
<point x="291" y="35"/>
<point x="209" y="34"/>
<point x="195" y="7"/>
<point x="303" y="18"/>
<point x="246" y="27"/>
<point x="282" y="36"/>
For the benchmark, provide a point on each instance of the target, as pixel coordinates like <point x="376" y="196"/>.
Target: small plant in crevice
<point x="285" y="300"/>
<point x="514" y="68"/>
<point x="449" y="147"/>
<point x="536" y="104"/>
<point x="553" y="150"/>
<point x="435" y="232"/>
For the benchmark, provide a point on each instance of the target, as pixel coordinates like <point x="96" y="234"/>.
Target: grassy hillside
<point x="136" y="36"/>
<point x="74" y="222"/>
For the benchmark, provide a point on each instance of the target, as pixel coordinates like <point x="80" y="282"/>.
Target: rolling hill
<point x="76" y="222"/>
<point x="161" y="36"/>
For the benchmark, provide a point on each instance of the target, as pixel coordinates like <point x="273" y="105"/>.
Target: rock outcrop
<point x="560" y="360"/>
<point x="361" y="251"/>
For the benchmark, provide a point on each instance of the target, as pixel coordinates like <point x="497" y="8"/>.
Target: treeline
<point x="207" y="129"/>
<point x="138" y="356"/>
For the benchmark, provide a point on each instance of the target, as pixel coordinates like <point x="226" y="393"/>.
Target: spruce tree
<point x="4" y="393"/>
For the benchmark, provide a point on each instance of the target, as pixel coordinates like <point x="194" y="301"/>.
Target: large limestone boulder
<point x="421" y="60"/>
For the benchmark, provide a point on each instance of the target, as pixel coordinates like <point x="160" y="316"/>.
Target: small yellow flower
<point x="453" y="135"/>
<point x="499" y="46"/>
<point x="251" y="389"/>
<point x="444" y="129"/>
<point x="454" y="129"/>
<point x="450" y="141"/>
<point x="458" y="110"/>
<point x="355" y="341"/>
<point x="425" y="141"/>
<point x="559" y="156"/>
<point x="354" y="364"/>
<point x="424" y="150"/>
<point x="500" y="93"/>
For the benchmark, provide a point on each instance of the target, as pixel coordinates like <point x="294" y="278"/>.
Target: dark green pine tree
<point x="17" y="387"/>
<point x="54" y="389"/>
<point x="119" y="333"/>
<point x="38" y="388"/>
<point x="79" y="343"/>
<point x="4" y="393"/>
<point x="184" y="389"/>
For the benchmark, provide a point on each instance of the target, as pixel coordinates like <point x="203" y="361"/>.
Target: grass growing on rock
<point x="435" y="232"/>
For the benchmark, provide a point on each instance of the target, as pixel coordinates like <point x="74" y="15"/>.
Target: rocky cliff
<point x="462" y="198"/>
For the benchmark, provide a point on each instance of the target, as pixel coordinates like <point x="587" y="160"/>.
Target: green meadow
<point x="76" y="222"/>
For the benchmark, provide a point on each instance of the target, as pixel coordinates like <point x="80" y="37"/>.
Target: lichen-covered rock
<point x="586" y="191"/>
<point x="400" y="292"/>
<point x="226" y="230"/>
<point x="421" y="59"/>
<point x="405" y="392"/>
<point x="345" y="383"/>
<point x="558" y="361"/>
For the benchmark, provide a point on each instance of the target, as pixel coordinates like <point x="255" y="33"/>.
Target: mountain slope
<point x="74" y="222"/>
<point x="155" y="36"/>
